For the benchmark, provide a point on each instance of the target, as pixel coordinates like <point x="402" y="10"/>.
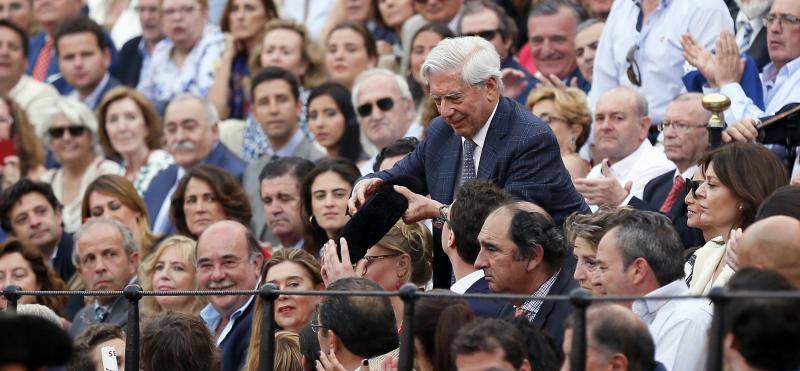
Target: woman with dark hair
<point x="113" y="196"/>
<point x="324" y="193"/>
<point x="738" y="177"/>
<point x="333" y="122"/>
<point x="25" y="267"/>
<point x="436" y="323"/>
<point x="784" y="201"/>
<point x="349" y="50"/>
<point x="289" y="269"/>
<point x="204" y="196"/>
<point x="423" y="41"/>
<point x="21" y="151"/>
<point x="243" y="23"/>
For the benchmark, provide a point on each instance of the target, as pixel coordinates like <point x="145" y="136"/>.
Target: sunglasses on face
<point x="74" y="131"/>
<point x="486" y="35"/>
<point x="384" y="104"/>
<point x="692" y="186"/>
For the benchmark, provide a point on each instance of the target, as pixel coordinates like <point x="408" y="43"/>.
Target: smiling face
<point x="126" y="127"/>
<point x="326" y="122"/>
<point x="201" y="206"/>
<point x="694" y="212"/>
<point x="346" y="56"/>
<point x="284" y="48"/>
<point x="464" y="107"/>
<point x="173" y="271"/>
<point x="293" y="313"/>
<point x="329" y="196"/>
<point x="552" y="39"/>
<point x="69" y="149"/>
<point x="442" y="11"/>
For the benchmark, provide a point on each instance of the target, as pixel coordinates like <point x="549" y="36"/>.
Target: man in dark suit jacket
<point x="192" y="137"/>
<point x="523" y="252"/>
<point x="685" y="140"/>
<point x="133" y="54"/>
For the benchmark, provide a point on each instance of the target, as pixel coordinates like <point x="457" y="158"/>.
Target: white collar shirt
<point x="780" y="87"/>
<point x="464" y="283"/>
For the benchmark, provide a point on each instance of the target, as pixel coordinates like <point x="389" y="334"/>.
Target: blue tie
<point x="467" y="161"/>
<point x="100" y="313"/>
<point x="746" y="37"/>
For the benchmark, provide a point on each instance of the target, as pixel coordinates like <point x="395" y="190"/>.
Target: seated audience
<point x="643" y="255"/>
<point x="616" y="339"/>
<point x="583" y="232"/>
<point x="24" y="266"/>
<point x="286" y="44"/>
<point x="42" y="60"/>
<point x="542" y="351"/>
<point x="243" y="24"/>
<point x="26" y="158"/>
<point x="88" y="347"/>
<point x="288" y="269"/>
<point x="84" y="57"/>
<point x="587" y="37"/>
<point x="30" y="212"/>
<point x="353" y="329"/>
<point x="192" y="138"/>
<point x="72" y="134"/>
<point x="137" y="52"/>
<point x="738" y="177"/>
<point x="522" y="252"/>
<point x="333" y="122"/>
<point x="229" y="258"/>
<point x="349" y="50"/>
<point x="391" y="15"/>
<point x="106" y="256"/>
<point x="772" y="243"/>
<point x="435" y="325"/>
<point x="185" y="61"/>
<point x="130" y="130"/>
<point x="393" y="153"/>
<point x="19" y="13"/>
<point x="280" y="182"/>
<point x="113" y="196"/>
<point x="474" y="201"/>
<point x="421" y="43"/>
<point x="178" y="342"/>
<point x="172" y="266"/>
<point x="627" y="160"/>
<point x="325" y="192"/>
<point x="694" y="213"/>
<point x="490" y="344"/>
<point x="204" y="196"/>
<point x="761" y="333"/>
<point x="685" y="140"/>
<point x="552" y="25"/>
<point x="567" y="113"/>
<point x="119" y="18"/>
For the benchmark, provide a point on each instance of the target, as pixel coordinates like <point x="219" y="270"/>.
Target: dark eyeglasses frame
<point x="385" y="104"/>
<point x="74" y="131"/>
<point x="371" y="259"/>
<point x="487" y="35"/>
<point x="692" y="186"/>
<point x="633" y="72"/>
<point x="782" y="19"/>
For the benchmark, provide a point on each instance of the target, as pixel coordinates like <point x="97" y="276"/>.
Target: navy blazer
<point x="130" y="63"/>
<point x="484" y="308"/>
<point x="552" y="314"/>
<point x="36" y="43"/>
<point x="520" y="155"/>
<point x="655" y="192"/>
<point x="62" y="263"/>
<point x="233" y="348"/>
<point x="163" y="182"/>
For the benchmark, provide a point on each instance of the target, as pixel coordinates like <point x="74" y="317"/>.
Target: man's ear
<point x="451" y="239"/>
<point x="134" y="260"/>
<point x="536" y="257"/>
<point x="618" y="361"/>
<point x="334" y="343"/>
<point x="526" y="365"/>
<point x="645" y="123"/>
<point x="639" y="270"/>
<point x="492" y="88"/>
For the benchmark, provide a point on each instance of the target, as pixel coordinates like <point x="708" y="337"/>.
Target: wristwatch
<point x="444" y="212"/>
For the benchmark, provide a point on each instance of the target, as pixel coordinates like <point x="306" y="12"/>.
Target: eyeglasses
<point x="677" y="126"/>
<point x="184" y="10"/>
<point x="549" y="119"/>
<point x="146" y="9"/>
<point x="384" y="104"/>
<point x="487" y="35"/>
<point x="6" y="120"/>
<point x="74" y="131"/>
<point x="315" y="325"/>
<point x="372" y="259"/>
<point x="692" y="186"/>
<point x="634" y="75"/>
<point x="782" y="19"/>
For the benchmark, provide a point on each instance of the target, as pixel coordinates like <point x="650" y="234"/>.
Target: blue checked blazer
<point x="520" y="155"/>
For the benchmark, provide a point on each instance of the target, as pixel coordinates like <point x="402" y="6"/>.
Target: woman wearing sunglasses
<point x="738" y="177"/>
<point x="71" y="132"/>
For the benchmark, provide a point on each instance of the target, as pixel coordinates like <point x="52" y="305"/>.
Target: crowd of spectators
<point x="527" y="147"/>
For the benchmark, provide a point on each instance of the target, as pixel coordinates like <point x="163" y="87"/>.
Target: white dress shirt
<point x="659" y="54"/>
<point x="464" y="283"/>
<point x="780" y="86"/>
<point x="640" y="167"/>
<point x="679" y="327"/>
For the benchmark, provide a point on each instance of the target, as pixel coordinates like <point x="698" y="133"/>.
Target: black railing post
<point x="409" y="294"/>
<point x="11" y="293"/>
<point x="133" y="293"/>
<point x="718" y="296"/>
<point x="266" y="354"/>
<point x="580" y="300"/>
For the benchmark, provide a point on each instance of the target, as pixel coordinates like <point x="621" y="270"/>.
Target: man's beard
<point x="754" y="9"/>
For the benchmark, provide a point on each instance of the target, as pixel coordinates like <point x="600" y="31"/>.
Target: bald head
<point x="773" y="243"/>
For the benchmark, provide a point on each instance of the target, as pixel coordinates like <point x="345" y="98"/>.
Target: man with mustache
<point x="385" y="110"/>
<point x="229" y="258"/>
<point x="192" y="137"/>
<point x="106" y="256"/>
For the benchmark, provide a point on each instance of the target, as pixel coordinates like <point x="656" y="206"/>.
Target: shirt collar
<point x="480" y="137"/>
<point x="789" y="69"/>
<point x="464" y="283"/>
<point x="674" y="288"/>
<point x="625" y="165"/>
<point x="290" y="147"/>
<point x="688" y="174"/>
<point x="93" y="98"/>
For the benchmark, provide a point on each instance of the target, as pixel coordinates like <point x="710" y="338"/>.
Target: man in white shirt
<point x="643" y="256"/>
<point x="628" y="160"/>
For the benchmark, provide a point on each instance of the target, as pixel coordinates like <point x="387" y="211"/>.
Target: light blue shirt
<point x="93" y="99"/>
<point x="211" y="317"/>
<point x="659" y="54"/>
<point x="781" y="87"/>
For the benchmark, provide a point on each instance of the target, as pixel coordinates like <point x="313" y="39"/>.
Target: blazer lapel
<point x="498" y="128"/>
<point x="446" y="170"/>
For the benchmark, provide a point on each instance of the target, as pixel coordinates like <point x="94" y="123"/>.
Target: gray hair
<point x="650" y="235"/>
<point x="41" y="311"/>
<point x="550" y="7"/>
<point x="128" y="242"/>
<point x="476" y="58"/>
<point x="77" y="113"/>
<point x="402" y="84"/>
<point x="211" y="112"/>
<point x="588" y="23"/>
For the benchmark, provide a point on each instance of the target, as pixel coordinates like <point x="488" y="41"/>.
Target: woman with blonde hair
<point x="171" y="267"/>
<point x="567" y="113"/>
<point x="114" y="196"/>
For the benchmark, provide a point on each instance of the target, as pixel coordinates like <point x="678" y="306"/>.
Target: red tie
<point x="677" y="186"/>
<point x="43" y="60"/>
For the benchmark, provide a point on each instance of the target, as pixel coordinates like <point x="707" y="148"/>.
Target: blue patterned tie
<point x="467" y="161"/>
<point x="100" y="313"/>
<point x="746" y="37"/>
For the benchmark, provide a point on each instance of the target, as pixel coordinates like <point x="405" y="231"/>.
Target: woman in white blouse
<point x="71" y="132"/>
<point x="131" y="130"/>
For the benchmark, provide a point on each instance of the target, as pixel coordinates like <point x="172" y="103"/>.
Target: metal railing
<point x="580" y="300"/>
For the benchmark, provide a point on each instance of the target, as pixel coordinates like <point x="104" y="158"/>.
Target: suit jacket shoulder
<point x="484" y="308"/>
<point x="234" y="347"/>
<point x="130" y="63"/>
<point x="306" y="149"/>
<point x="221" y="156"/>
